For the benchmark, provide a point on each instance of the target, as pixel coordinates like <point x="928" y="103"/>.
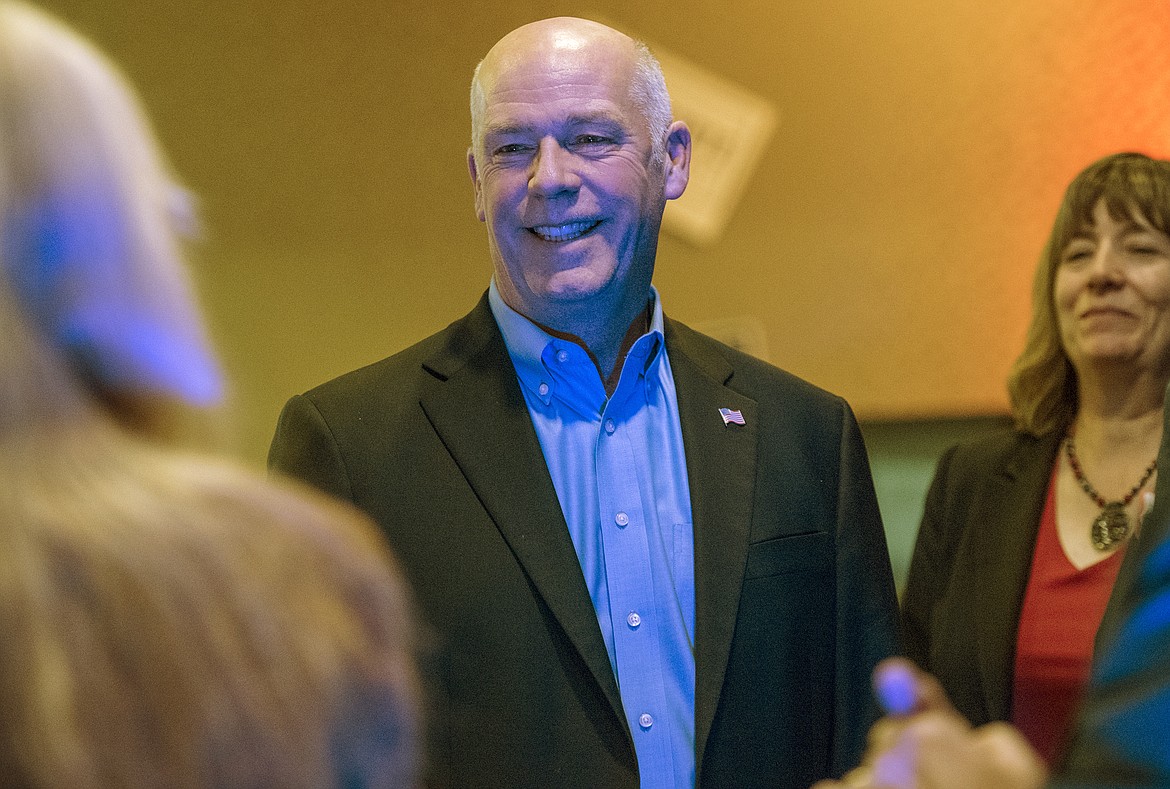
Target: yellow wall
<point x="886" y="242"/>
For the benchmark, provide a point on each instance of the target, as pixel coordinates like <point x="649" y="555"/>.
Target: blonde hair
<point x="174" y="621"/>
<point x="1042" y="384"/>
<point x="168" y="619"/>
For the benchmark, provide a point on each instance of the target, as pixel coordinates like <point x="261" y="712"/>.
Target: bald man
<point x="647" y="559"/>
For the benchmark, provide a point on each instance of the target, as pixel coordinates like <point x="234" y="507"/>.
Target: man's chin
<point x="573" y="286"/>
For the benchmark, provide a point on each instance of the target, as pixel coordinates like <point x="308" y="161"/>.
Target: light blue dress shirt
<point x="621" y="477"/>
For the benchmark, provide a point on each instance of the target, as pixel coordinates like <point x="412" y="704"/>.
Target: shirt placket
<point x="625" y="544"/>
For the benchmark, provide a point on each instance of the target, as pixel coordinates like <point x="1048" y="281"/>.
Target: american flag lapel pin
<point x="731" y="416"/>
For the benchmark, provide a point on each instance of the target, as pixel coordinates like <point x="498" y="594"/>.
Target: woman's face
<point x="1112" y="294"/>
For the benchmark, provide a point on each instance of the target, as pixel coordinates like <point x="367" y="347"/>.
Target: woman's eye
<point x="1144" y="245"/>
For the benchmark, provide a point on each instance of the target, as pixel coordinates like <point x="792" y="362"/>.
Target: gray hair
<point x="647" y="89"/>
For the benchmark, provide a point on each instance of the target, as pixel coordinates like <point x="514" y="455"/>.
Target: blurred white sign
<point x="730" y="126"/>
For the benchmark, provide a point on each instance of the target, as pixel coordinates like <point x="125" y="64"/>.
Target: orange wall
<point x="885" y="243"/>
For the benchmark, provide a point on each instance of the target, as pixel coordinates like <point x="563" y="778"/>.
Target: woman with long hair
<point x="1023" y="531"/>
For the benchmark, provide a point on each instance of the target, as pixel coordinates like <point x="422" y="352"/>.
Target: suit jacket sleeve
<point x="867" y="620"/>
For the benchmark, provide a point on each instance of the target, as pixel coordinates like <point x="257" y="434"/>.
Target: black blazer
<point x="961" y="606"/>
<point x="794" y="598"/>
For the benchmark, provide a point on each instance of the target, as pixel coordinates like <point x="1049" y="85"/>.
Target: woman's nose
<point x="1107" y="266"/>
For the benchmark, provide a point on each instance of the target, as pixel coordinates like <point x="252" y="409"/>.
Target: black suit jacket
<point x="794" y="598"/>
<point x="961" y="605"/>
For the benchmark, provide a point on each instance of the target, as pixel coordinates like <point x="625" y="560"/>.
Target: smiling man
<point x="573" y="158"/>
<point x="646" y="559"/>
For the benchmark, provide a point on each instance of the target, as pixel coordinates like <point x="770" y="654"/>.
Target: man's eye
<point x="511" y="148"/>
<point x="592" y="139"/>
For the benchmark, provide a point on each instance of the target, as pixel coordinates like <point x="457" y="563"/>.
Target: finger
<point x="927" y="752"/>
<point x="858" y="778"/>
<point x="1145" y="504"/>
<point x="883" y="734"/>
<point x="1003" y="745"/>
<point x="895" y="684"/>
<point x="902" y="689"/>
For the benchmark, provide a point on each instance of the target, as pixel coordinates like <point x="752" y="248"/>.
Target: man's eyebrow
<point x="575" y="120"/>
<point x="504" y="130"/>
<point x="589" y="118"/>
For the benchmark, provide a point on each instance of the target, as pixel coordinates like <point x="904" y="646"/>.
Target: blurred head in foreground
<point x="169" y="619"/>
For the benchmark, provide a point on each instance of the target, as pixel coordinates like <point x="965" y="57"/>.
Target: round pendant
<point x="1110" y="527"/>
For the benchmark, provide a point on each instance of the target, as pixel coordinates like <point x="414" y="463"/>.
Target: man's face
<point x="565" y="178"/>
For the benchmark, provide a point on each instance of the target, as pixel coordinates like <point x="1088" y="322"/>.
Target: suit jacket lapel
<point x="478" y="410"/>
<point x="1006" y="527"/>
<point x="721" y="464"/>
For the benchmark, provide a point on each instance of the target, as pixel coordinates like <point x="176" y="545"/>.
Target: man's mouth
<point x="565" y="232"/>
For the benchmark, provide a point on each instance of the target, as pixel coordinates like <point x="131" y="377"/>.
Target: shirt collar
<point x="527" y="343"/>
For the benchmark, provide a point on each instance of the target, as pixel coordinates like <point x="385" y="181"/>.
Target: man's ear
<point x="678" y="160"/>
<point x="474" y="172"/>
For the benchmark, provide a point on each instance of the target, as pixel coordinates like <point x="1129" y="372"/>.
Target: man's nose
<point x="553" y="169"/>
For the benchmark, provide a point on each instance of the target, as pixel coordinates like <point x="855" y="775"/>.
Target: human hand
<point x="1145" y="504"/>
<point x="923" y="743"/>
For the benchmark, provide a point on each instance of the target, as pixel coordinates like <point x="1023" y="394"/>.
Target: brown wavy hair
<point x="1042" y="384"/>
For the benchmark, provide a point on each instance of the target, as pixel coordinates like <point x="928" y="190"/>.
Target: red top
<point x="1062" y="610"/>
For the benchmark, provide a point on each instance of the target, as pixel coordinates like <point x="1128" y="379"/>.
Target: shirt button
<point x="633" y="620"/>
<point x="645" y="720"/>
<point x="543" y="389"/>
<point x="610" y="426"/>
<point x="562" y="356"/>
<point x="621" y="519"/>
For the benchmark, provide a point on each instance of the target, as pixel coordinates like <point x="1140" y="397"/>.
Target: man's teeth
<point x="564" y="232"/>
